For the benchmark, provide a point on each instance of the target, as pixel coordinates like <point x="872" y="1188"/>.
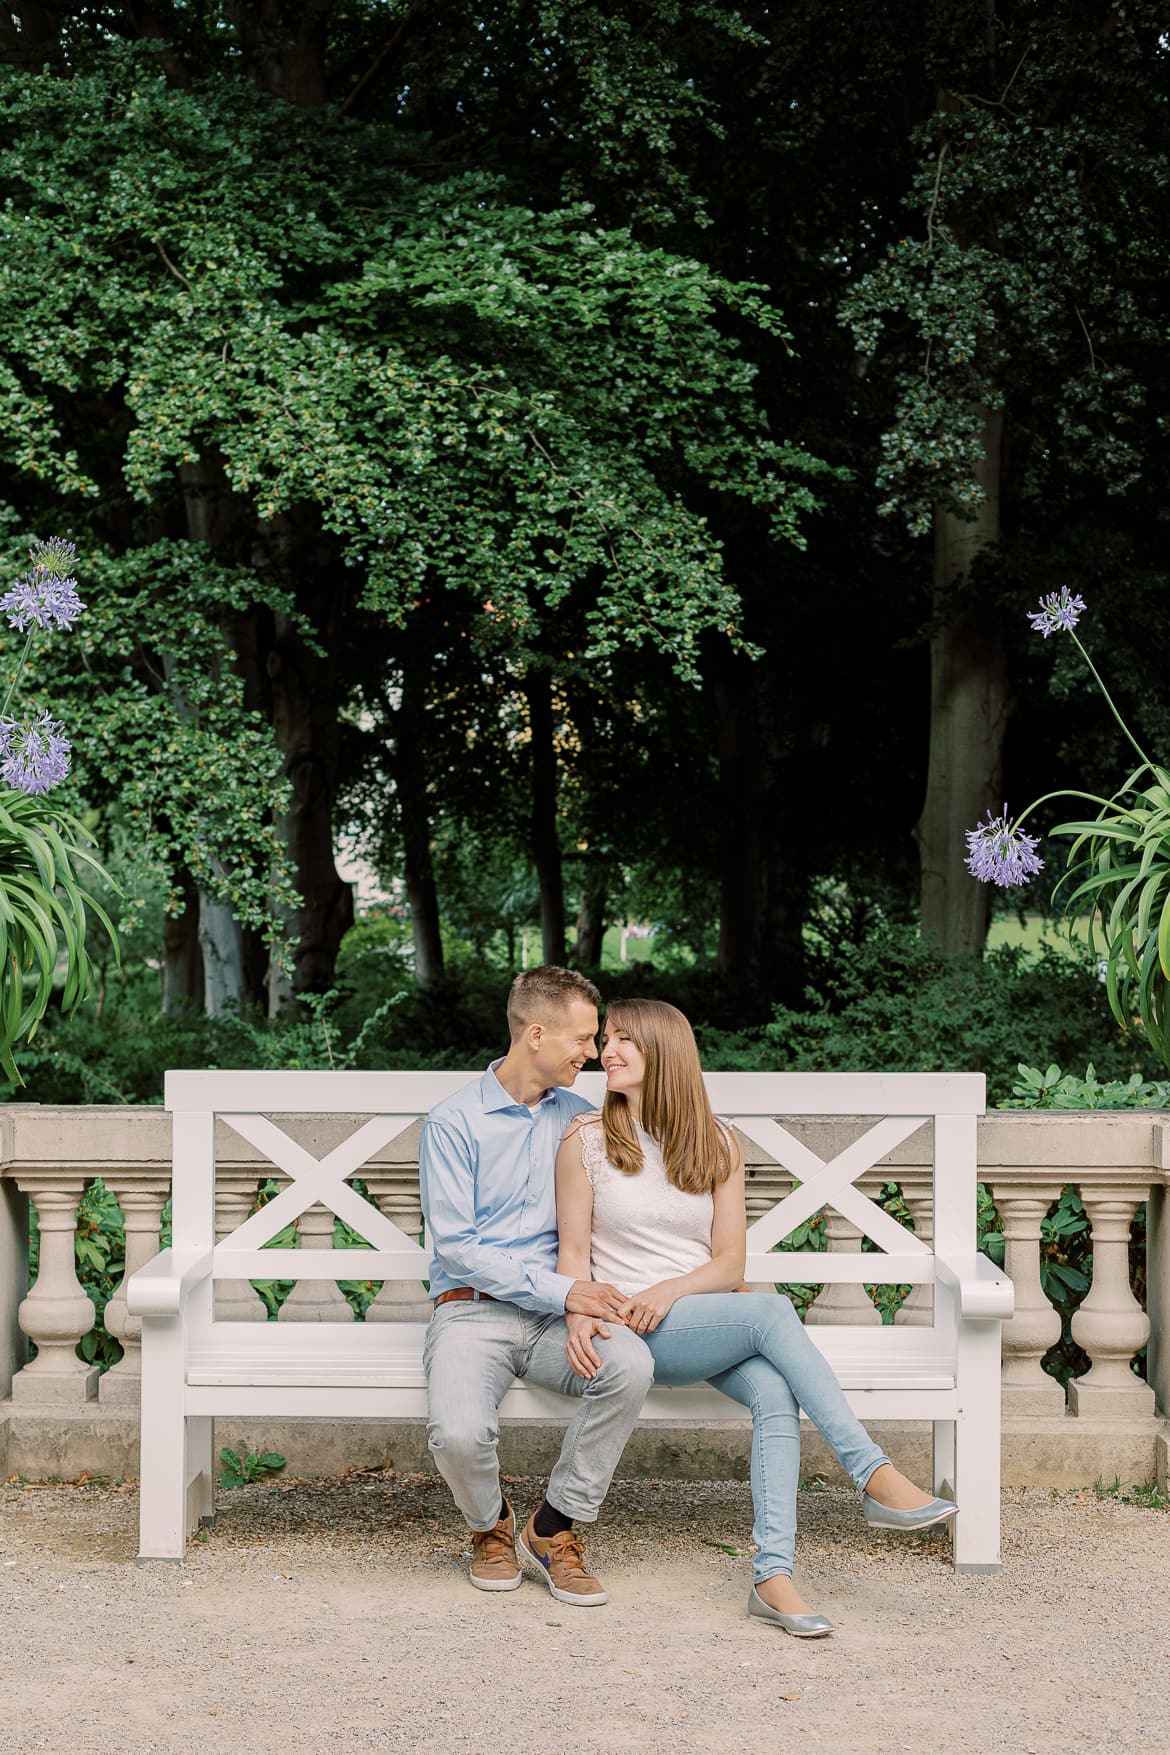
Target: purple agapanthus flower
<point x="47" y="595"/>
<point x="1059" y="611"/>
<point x="34" y="753"/>
<point x="1000" y="853"/>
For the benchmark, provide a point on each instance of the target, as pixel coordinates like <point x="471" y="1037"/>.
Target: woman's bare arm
<point x="723" y="1273"/>
<point x="575" y="1228"/>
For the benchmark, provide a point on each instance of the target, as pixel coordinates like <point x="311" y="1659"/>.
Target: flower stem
<point x="18" y="672"/>
<point x="1112" y="708"/>
<point x="1064" y="792"/>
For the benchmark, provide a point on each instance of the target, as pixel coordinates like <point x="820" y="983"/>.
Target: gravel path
<point x="333" y="1618"/>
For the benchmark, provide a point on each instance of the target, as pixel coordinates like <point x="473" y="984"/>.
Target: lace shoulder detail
<point x="592" y="1143"/>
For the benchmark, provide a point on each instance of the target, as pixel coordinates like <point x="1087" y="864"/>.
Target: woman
<point x="650" y="1196"/>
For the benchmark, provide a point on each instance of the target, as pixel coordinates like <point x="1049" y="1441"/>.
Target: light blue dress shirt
<point x="486" y="1172"/>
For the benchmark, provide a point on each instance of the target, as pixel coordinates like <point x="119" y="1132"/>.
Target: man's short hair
<point x="538" y="993"/>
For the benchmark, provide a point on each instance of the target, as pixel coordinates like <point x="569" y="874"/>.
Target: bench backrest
<point x="879" y="1111"/>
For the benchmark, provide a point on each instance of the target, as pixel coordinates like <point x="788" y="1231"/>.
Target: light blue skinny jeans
<point x="753" y="1347"/>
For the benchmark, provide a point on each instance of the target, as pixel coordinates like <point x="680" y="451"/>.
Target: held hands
<point x="595" y="1298"/>
<point x="645" y="1310"/>
<point x="590" y="1306"/>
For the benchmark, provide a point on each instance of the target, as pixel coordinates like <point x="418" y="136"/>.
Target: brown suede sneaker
<point x="493" y="1556"/>
<point x="560" y="1561"/>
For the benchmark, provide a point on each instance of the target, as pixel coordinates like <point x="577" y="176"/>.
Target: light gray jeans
<point x="473" y="1351"/>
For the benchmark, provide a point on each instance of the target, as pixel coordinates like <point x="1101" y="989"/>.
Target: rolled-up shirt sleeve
<point x="447" y="1175"/>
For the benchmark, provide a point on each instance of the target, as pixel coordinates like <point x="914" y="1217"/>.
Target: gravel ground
<point x="336" y="1617"/>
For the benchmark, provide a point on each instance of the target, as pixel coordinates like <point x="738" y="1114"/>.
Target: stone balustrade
<point x="58" y="1415"/>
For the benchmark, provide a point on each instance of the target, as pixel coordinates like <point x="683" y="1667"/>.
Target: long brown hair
<point x="698" y="1152"/>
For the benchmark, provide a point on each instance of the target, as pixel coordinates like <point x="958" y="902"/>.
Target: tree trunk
<point x="763" y="877"/>
<point x="591" y="921"/>
<point x="305" y="724"/>
<point x="408" y="767"/>
<point x="250" y="634"/>
<point x="212" y="520"/>
<point x="222" y="954"/>
<point x="182" y="954"/>
<point x="546" y="846"/>
<point x="970" y="701"/>
<point x="286" y="45"/>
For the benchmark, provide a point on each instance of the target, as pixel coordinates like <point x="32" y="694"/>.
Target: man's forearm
<point x="492" y="1270"/>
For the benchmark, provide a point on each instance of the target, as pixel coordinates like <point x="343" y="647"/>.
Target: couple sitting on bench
<point x="596" y="1252"/>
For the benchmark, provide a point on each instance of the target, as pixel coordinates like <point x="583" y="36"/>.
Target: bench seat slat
<point x="932" y="1401"/>
<point x="389" y="1355"/>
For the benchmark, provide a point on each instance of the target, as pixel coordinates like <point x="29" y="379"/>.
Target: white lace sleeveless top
<point x="644" y="1229"/>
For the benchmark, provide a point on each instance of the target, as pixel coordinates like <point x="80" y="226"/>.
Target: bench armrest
<point x="161" y="1285"/>
<point x="985" y="1292"/>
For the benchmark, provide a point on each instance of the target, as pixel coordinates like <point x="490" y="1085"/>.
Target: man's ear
<point x="534" y="1035"/>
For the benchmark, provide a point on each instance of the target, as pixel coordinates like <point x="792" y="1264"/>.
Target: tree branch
<point x="934" y="199"/>
<point x="181" y="278"/>
<point x="1093" y="360"/>
<point x="388" y="49"/>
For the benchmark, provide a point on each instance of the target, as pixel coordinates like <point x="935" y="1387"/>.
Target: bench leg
<point x="200" y="1470"/>
<point x="163" y="1470"/>
<point x="943" y="1472"/>
<point x="975" y="1532"/>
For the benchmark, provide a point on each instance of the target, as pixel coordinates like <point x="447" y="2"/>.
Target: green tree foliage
<point x="466" y="363"/>
<point x="289" y="312"/>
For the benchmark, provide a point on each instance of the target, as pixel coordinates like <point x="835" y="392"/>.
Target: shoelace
<point x="568" y="1550"/>
<point x="496" y="1543"/>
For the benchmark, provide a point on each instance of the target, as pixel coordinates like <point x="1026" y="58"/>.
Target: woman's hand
<point x="645" y="1310"/>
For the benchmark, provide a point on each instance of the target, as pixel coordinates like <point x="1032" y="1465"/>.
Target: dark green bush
<point x="895" y="1004"/>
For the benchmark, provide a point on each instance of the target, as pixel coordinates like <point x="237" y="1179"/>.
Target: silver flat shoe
<point x="883" y="1518"/>
<point x="800" y="1626"/>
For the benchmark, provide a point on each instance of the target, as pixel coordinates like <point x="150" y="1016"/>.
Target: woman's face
<point x="623" y="1061"/>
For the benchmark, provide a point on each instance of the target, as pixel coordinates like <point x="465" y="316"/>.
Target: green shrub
<point x="896" y="1004"/>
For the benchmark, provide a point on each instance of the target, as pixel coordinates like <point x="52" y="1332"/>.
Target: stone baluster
<point x="1110" y="1324"/>
<point x="844" y="1302"/>
<point x="235" y="1196"/>
<point x="917" y="1308"/>
<point x="396" y="1192"/>
<point x="1028" y="1390"/>
<point x="316" y="1300"/>
<point x="765" y="1186"/>
<point x="1158" y="1290"/>
<point x="56" y="1312"/>
<point x="142" y="1196"/>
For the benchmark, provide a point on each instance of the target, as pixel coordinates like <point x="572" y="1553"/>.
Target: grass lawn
<point x="1036" y="933"/>
<point x="638" y="950"/>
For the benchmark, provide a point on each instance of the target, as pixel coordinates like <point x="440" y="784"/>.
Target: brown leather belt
<point x="458" y="1294"/>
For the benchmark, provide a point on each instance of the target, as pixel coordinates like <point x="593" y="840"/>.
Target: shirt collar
<point x="494" y="1095"/>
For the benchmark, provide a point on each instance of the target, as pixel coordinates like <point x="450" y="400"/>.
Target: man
<point x="486" y="1169"/>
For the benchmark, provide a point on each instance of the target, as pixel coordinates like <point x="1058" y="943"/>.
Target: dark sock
<point x="504" y="1509"/>
<point x="550" y="1522"/>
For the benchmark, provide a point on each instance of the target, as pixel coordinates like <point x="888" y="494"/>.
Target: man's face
<point x="566" y="1041"/>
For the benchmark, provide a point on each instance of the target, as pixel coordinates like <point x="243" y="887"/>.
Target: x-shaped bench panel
<point x="319" y="1182"/>
<point x="831" y="1183"/>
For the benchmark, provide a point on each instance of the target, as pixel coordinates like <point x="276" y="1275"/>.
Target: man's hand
<point x="645" y="1310"/>
<point x="579" y="1350"/>
<point x="595" y="1298"/>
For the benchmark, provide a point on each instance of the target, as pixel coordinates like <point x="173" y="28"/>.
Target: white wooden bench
<point x="194" y="1367"/>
